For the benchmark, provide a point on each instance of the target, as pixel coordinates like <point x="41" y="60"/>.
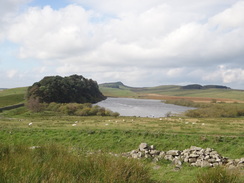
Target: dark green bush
<point x="86" y="109"/>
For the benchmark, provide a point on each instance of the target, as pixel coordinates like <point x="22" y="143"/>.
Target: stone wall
<point x="195" y="156"/>
<point x="11" y="107"/>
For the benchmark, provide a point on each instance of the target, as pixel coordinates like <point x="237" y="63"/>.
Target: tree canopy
<point x="74" y="88"/>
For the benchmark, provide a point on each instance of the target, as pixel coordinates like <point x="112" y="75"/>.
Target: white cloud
<point x="142" y="42"/>
<point x="11" y="73"/>
<point x="226" y="75"/>
<point x="176" y="72"/>
<point x="8" y="9"/>
<point x="232" y="17"/>
<point x="48" y="34"/>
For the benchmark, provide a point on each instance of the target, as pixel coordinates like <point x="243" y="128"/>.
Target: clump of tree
<point x="69" y="89"/>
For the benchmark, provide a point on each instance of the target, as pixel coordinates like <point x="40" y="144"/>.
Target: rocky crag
<point x="195" y="156"/>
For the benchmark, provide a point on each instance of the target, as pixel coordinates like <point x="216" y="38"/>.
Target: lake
<point x="141" y="107"/>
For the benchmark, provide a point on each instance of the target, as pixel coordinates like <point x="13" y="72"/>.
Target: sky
<point x="138" y="42"/>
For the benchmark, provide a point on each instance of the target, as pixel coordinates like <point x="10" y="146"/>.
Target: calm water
<point x="141" y="107"/>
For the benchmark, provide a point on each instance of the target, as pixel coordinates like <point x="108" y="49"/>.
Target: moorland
<point x="53" y="149"/>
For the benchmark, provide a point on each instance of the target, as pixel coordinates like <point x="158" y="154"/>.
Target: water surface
<point x="141" y="107"/>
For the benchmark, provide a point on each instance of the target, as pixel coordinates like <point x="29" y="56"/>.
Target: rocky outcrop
<point x="195" y="156"/>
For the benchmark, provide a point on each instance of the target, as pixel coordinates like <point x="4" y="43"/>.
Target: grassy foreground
<point x="54" y="163"/>
<point x="58" y="138"/>
<point x="76" y="148"/>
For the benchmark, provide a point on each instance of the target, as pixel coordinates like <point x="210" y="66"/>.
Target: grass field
<point x="64" y="147"/>
<point x="12" y="96"/>
<point x="123" y="134"/>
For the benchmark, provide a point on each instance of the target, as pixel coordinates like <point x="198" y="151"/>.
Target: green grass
<point x="53" y="163"/>
<point x="12" y="96"/>
<point x="118" y="92"/>
<point x="11" y="100"/>
<point x="13" y="91"/>
<point x="110" y="134"/>
<point x="63" y="153"/>
<point x="219" y="175"/>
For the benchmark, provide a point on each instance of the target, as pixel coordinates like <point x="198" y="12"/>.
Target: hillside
<point x="12" y="96"/>
<point x="118" y="89"/>
<point x="202" y="93"/>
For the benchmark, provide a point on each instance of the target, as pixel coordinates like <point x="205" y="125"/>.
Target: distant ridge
<point x="197" y="86"/>
<point x="195" y="92"/>
<point x="118" y="84"/>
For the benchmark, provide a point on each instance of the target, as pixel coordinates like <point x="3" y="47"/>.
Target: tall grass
<point x="52" y="163"/>
<point x="206" y="110"/>
<point x="219" y="175"/>
<point x="187" y="103"/>
<point x="218" y="110"/>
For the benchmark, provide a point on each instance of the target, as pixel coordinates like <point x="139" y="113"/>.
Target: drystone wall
<point x="11" y="107"/>
<point x="195" y="156"/>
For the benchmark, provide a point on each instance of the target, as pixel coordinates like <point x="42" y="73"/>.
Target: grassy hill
<point x="118" y="89"/>
<point x="12" y="96"/>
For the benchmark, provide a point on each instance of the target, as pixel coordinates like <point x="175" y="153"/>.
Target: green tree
<point x="71" y="89"/>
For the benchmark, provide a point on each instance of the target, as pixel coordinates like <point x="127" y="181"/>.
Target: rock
<point x="173" y="152"/>
<point x="169" y="157"/>
<point x="177" y="162"/>
<point x="194" y="148"/>
<point x="193" y="156"/>
<point x="148" y="156"/>
<point x="192" y="160"/>
<point x="198" y="163"/>
<point x="213" y="153"/>
<point x="143" y="147"/>
<point x="196" y="156"/>
<point x="133" y="152"/>
<point x="211" y="161"/>
<point x="205" y="164"/>
<point x="161" y="154"/>
<point x="154" y="152"/>
<point x="186" y="160"/>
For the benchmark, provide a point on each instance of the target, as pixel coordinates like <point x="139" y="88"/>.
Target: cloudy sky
<point x="138" y="42"/>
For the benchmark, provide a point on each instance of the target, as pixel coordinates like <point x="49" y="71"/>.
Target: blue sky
<point x="138" y="42"/>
